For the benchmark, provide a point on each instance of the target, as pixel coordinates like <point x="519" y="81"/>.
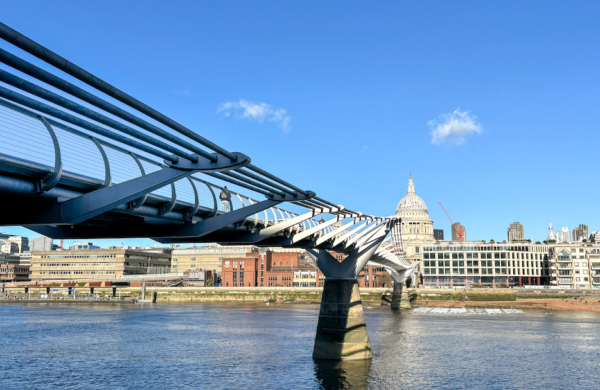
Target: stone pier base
<point x="341" y="331"/>
<point x="400" y="298"/>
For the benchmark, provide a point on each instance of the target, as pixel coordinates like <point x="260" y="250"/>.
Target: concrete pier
<point x="341" y="331"/>
<point x="400" y="298"/>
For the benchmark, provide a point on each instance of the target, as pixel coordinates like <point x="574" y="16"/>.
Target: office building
<point x="9" y="247"/>
<point x="438" y="234"/>
<point x="42" y="244"/>
<point x="83" y="246"/>
<point x="97" y="264"/>
<point x="452" y="264"/>
<point x="22" y="242"/>
<point x="12" y="271"/>
<point x="516" y="232"/>
<point x="580" y="233"/>
<point x="207" y="258"/>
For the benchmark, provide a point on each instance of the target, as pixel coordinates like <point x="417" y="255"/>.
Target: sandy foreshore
<point x="553" y="304"/>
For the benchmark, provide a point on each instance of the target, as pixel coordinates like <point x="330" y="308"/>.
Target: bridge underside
<point x="140" y="152"/>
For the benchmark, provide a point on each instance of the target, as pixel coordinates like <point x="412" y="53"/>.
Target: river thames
<point x="231" y="346"/>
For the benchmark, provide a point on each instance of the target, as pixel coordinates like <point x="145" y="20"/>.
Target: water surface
<point x="231" y="346"/>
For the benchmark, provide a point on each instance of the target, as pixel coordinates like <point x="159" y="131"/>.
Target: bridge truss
<point x="76" y="164"/>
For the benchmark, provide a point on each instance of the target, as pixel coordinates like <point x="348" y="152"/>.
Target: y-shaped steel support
<point x="400" y="298"/>
<point x="342" y="331"/>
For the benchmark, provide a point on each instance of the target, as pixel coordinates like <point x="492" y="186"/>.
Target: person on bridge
<point x="225" y="200"/>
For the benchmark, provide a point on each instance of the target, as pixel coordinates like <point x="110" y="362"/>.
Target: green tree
<point x="209" y="283"/>
<point x="384" y="280"/>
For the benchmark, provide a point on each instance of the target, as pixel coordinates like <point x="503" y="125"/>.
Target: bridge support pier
<point x="342" y="330"/>
<point x="400" y="298"/>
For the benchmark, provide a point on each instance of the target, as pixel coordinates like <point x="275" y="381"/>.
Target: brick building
<point x="241" y="271"/>
<point x="271" y="268"/>
<point x="369" y="277"/>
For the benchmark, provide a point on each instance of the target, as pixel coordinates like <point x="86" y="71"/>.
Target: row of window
<point x="480" y="271"/>
<point x="482" y="263"/>
<point x="483" y="248"/>
<point x="13" y="270"/>
<point x="77" y="256"/>
<point x="76" y="273"/>
<point x="496" y="255"/>
<point x="85" y="264"/>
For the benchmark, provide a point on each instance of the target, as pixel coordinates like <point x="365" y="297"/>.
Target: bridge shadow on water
<point x="345" y="374"/>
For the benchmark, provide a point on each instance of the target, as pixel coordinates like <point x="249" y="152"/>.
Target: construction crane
<point x="459" y="232"/>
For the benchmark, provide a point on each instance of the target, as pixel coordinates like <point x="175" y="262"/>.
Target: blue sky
<point x="353" y="90"/>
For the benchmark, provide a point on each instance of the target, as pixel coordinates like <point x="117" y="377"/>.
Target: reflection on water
<point x="230" y="346"/>
<point x="350" y="374"/>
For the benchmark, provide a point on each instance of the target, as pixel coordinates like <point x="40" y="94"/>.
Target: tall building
<point x="41" y="244"/>
<point x="22" y="242"/>
<point x="438" y="234"/>
<point x="580" y="233"/>
<point x="417" y="227"/>
<point x="9" y="247"/>
<point x="516" y="232"/>
<point x="564" y="236"/>
<point x="97" y="264"/>
<point x="457" y="227"/>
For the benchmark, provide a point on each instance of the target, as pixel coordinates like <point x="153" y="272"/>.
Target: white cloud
<point x="452" y="128"/>
<point x="257" y="111"/>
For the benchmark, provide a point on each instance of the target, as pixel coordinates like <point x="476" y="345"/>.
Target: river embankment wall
<point x="369" y="296"/>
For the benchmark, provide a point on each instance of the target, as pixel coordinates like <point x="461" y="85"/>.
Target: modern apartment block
<point x="516" y="232"/>
<point x="97" y="264"/>
<point x="575" y="266"/>
<point x="452" y="264"/>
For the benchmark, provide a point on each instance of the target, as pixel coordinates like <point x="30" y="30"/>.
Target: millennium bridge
<point x="75" y="164"/>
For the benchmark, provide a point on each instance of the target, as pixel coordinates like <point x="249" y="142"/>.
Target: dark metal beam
<point x="41" y="52"/>
<point x="47" y="77"/>
<point x="52" y="97"/>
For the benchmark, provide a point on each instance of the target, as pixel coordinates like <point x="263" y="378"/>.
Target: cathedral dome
<point x="411" y="204"/>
